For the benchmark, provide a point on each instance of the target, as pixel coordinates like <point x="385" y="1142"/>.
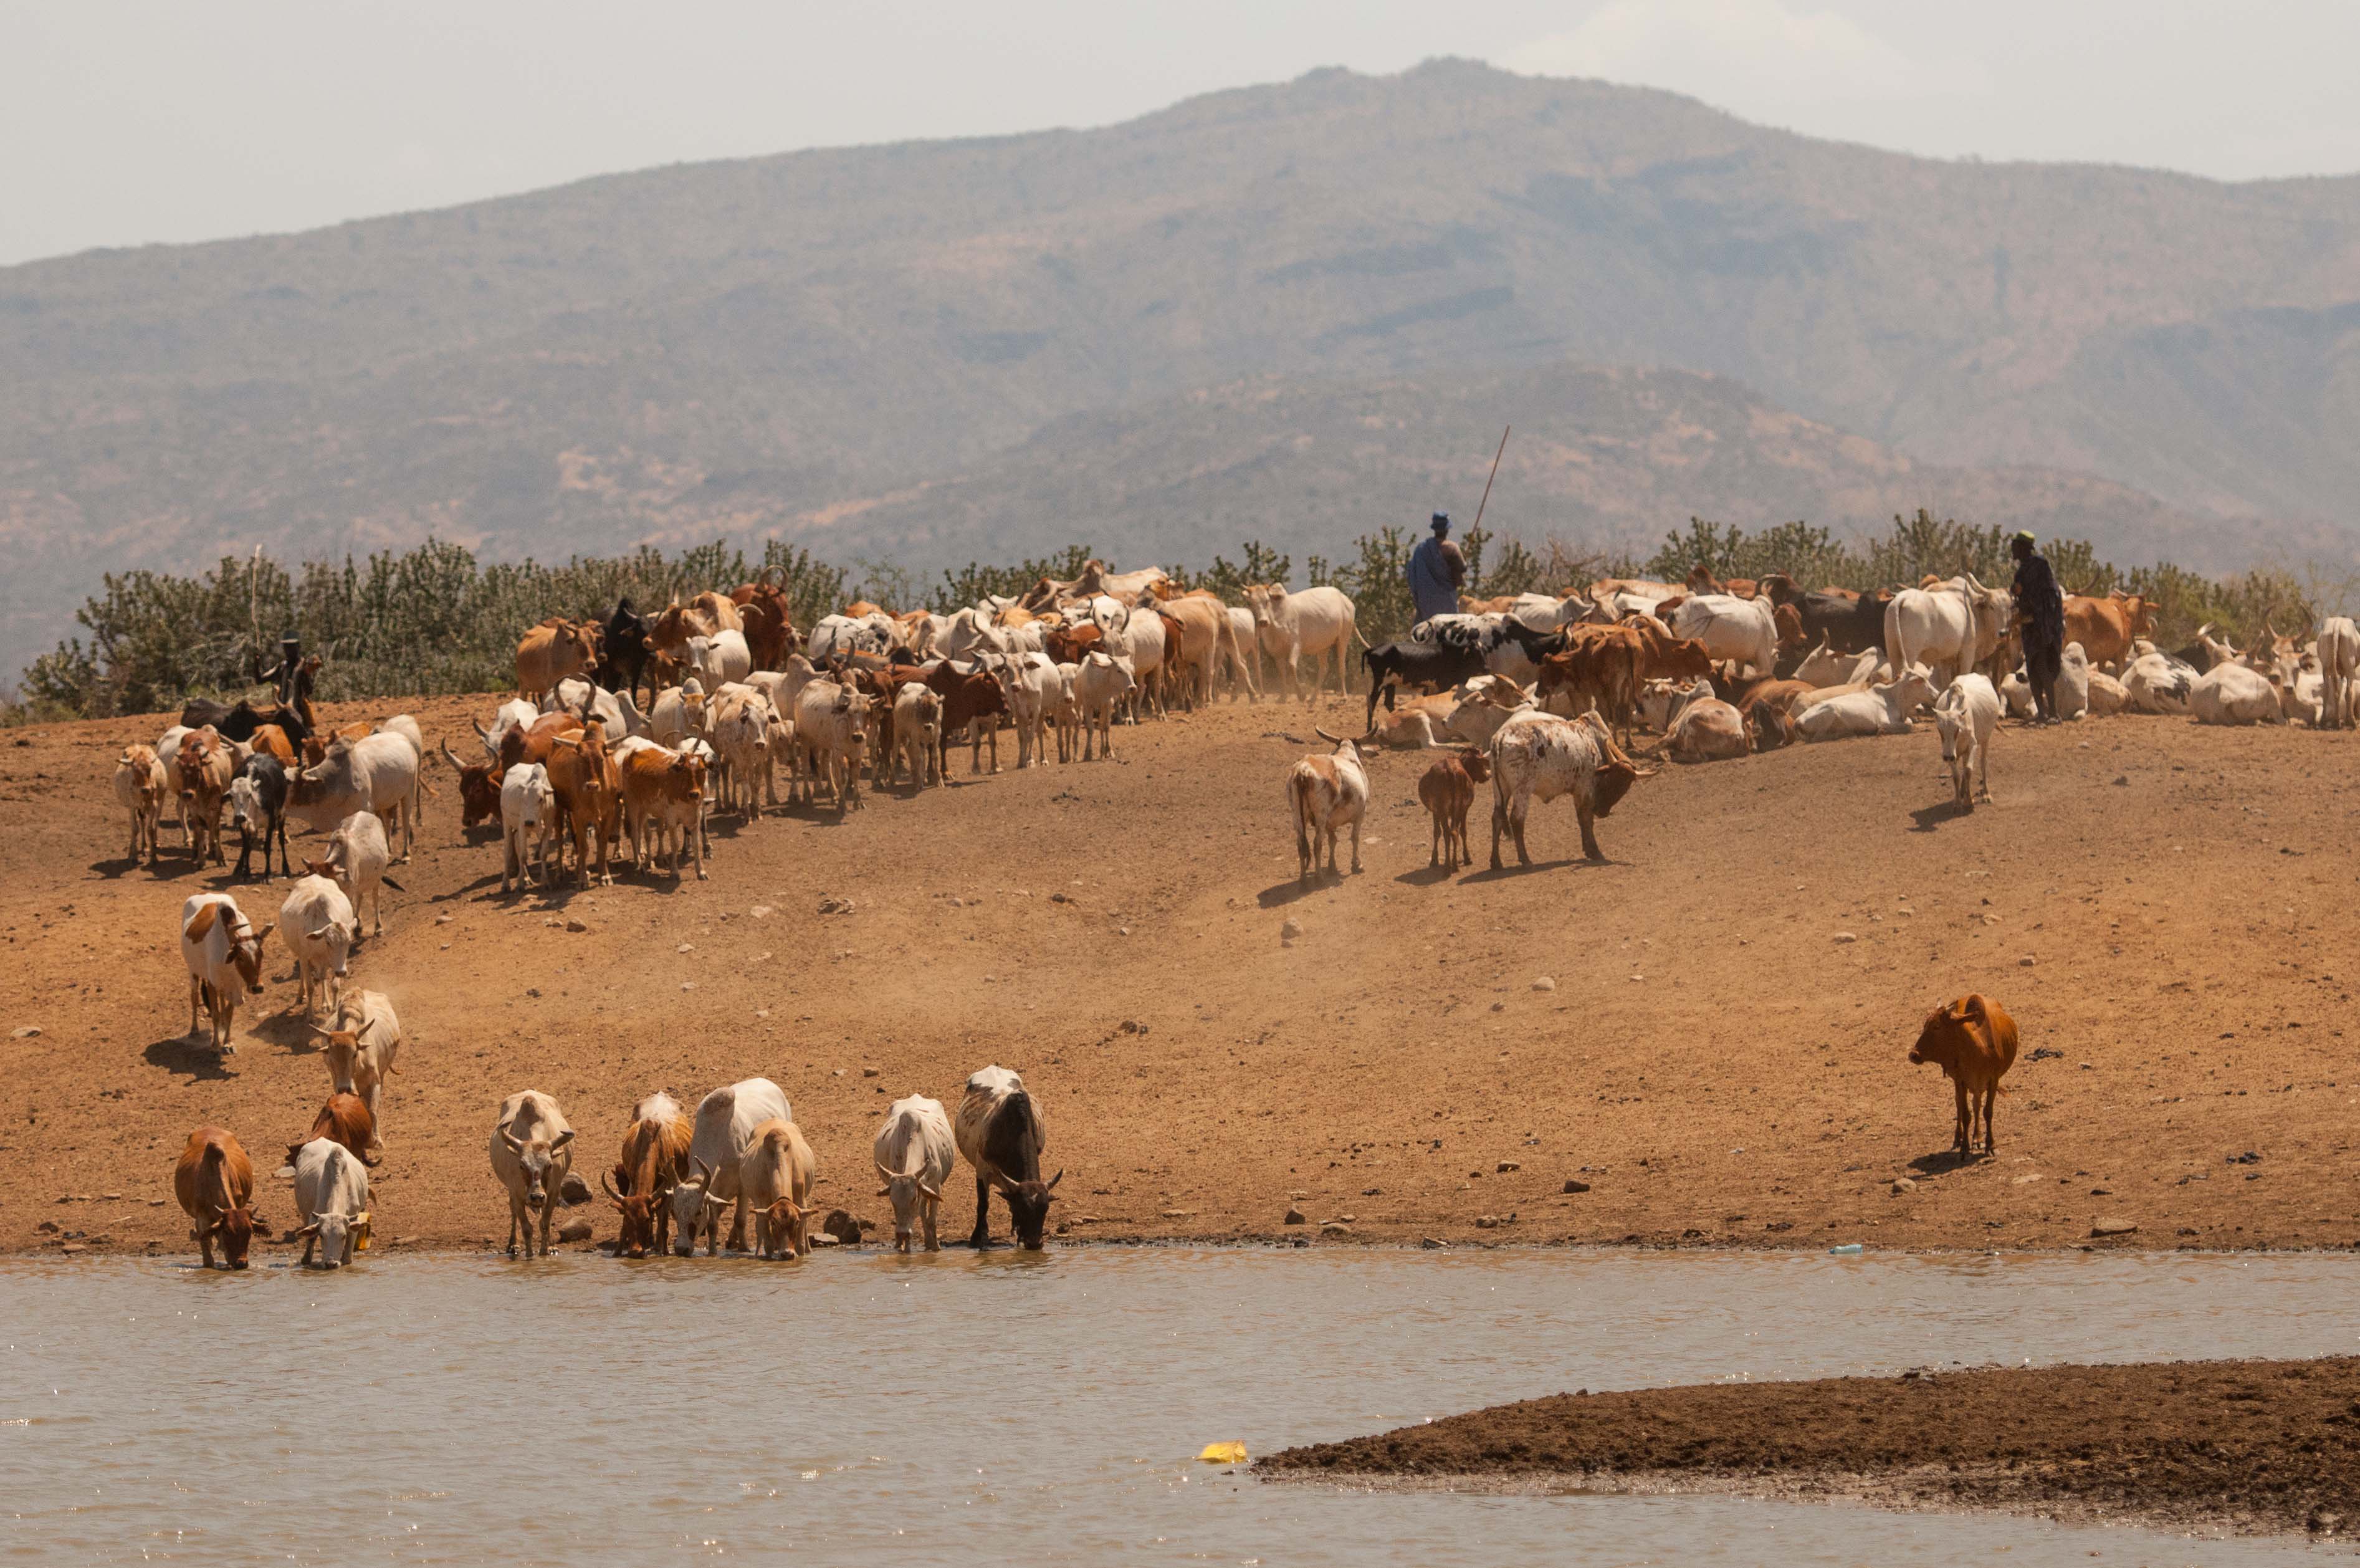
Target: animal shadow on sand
<point x="171" y="868"/>
<point x="1424" y="876"/>
<point x="1513" y="870"/>
<point x="289" y="1028"/>
<point x="198" y="1059"/>
<point x="1929" y="817"/>
<point x="1942" y="1160"/>
<point x="1279" y="895"/>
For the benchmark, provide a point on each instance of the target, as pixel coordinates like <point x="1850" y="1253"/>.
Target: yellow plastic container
<point x="1224" y="1453"/>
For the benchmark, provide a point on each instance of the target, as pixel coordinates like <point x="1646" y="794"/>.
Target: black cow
<point x="1436" y="666"/>
<point x="1851" y="626"/>
<point x="626" y="658"/>
<point x="240" y="722"/>
<point x="1011" y="1140"/>
<point x="262" y="814"/>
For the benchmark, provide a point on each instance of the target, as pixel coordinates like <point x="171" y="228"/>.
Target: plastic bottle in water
<point x="1850" y="1249"/>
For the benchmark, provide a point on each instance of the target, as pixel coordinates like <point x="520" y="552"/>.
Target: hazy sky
<point x="125" y="124"/>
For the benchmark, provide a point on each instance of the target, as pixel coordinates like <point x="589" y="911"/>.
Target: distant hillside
<point x="1600" y="456"/>
<point x="756" y="346"/>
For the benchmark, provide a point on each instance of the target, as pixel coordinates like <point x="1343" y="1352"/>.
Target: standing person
<point x="2040" y="610"/>
<point x="1437" y="572"/>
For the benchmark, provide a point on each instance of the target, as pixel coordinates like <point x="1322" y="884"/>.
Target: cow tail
<point x="1301" y="787"/>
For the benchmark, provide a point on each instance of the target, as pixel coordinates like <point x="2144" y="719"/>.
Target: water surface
<point x="859" y="1409"/>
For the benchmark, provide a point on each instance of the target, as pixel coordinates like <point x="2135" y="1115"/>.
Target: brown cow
<point x="663" y="791"/>
<point x="1600" y="669"/>
<point x="768" y="623"/>
<point x="552" y="651"/>
<point x="1972" y="1040"/>
<point x="345" y="1120"/>
<point x="206" y="768"/>
<point x="272" y="739"/>
<point x="1770" y="725"/>
<point x="974" y="697"/>
<point x="654" y="1159"/>
<point x="2105" y="627"/>
<point x="1448" y="791"/>
<point x="479" y="788"/>
<point x="214" y="1182"/>
<point x="1069" y="645"/>
<point x="589" y="798"/>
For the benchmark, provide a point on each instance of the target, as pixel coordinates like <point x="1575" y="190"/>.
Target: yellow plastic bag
<point x="1224" y="1453"/>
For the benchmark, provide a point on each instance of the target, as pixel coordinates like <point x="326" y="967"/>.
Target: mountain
<point x="880" y="348"/>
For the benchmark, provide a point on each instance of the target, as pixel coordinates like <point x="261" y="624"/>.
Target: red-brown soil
<point x="2255" y="1445"/>
<point x="1715" y="1061"/>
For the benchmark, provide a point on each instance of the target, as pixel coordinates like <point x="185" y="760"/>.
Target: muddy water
<point x="857" y="1409"/>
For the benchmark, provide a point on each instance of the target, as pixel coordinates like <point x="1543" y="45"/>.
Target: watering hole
<point x="859" y="1407"/>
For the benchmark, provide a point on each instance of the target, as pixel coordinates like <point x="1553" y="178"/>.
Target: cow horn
<point x="1054" y="1179"/>
<point x="1331" y="740"/>
<point x="450" y="758"/>
<point x="606" y="1180"/>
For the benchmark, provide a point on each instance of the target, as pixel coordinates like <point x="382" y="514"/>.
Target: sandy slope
<point x="1714" y="1061"/>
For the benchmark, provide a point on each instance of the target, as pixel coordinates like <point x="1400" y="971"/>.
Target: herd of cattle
<point x="1532" y="693"/>
<point x="673" y="1177"/>
<point x="1537" y="696"/>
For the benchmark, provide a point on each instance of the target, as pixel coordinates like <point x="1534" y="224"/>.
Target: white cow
<point x="726" y="1120"/>
<point x="514" y="714"/>
<point x="832" y="734"/>
<point x="363" y="1039"/>
<point x="358" y="853"/>
<point x="1140" y="640"/>
<point x="531" y="1150"/>
<point x="1536" y="757"/>
<point x="376" y="773"/>
<point x="317" y="924"/>
<point x="1879" y="710"/>
<point x="1822" y="668"/>
<point x="914" y="1154"/>
<point x="1101" y="683"/>
<point x="2015" y="696"/>
<point x="2159" y="682"/>
<point x="2073" y="683"/>
<point x="2108" y="695"/>
<point x="1324" y="796"/>
<point x="1242" y="647"/>
<point x="1317" y="621"/>
<point x="2234" y="693"/>
<point x="739" y="721"/>
<point x="616" y="710"/>
<point x="678" y="713"/>
<point x="223" y="954"/>
<point x="2339" y="672"/>
<point x="1957" y="625"/>
<point x="1742" y="632"/>
<point x="917" y="734"/>
<point x="332" y="1197"/>
<point x="527" y="817"/>
<point x="1032" y="687"/>
<point x="720" y="658"/>
<point x="840" y="636"/>
<point x="167" y="751"/>
<point x="1966" y="716"/>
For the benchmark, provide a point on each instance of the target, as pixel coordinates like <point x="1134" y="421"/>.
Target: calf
<point x="527" y="809"/>
<point x="971" y="696"/>
<point x="913" y="1151"/>
<point x="1966" y="716"/>
<point x="257" y="804"/>
<point x="224" y="955"/>
<point x="357" y="856"/>
<point x="774" y="1176"/>
<point x="1033" y="687"/>
<point x="917" y="734"/>
<point x="726" y="1120"/>
<point x="531" y="1153"/>
<point x="214" y="1182"/>
<point x="316" y="923"/>
<point x="1101" y="683"/>
<point x="343" y="1119"/>
<point x="362" y="1040"/>
<point x="830" y="732"/>
<point x="139" y="788"/>
<point x="331" y="1195"/>
<point x="1326" y="794"/>
<point x="654" y="1159"/>
<point x="1448" y="791"/>
<point x="206" y="768"/>
<point x="999" y="1132"/>
<point x="1972" y="1040"/>
<point x="663" y="805"/>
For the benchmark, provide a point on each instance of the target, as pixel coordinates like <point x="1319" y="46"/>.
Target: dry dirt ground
<point x="2165" y="908"/>
<point x="2245" y="1446"/>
